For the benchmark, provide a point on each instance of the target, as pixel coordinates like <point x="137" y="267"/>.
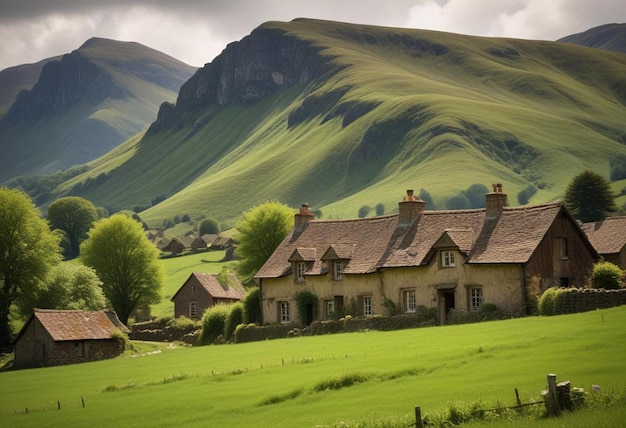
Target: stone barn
<point x="53" y="337"/>
<point x="204" y="290"/>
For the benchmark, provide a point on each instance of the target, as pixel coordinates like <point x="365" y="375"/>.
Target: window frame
<point x="338" y="267"/>
<point x="409" y="300"/>
<point x="329" y="308"/>
<point x="448" y="258"/>
<point x="299" y="271"/>
<point x="284" y="312"/>
<point x="193" y="309"/>
<point x="475" y="296"/>
<point x="368" y="305"/>
<point x="562" y="248"/>
<point x="79" y="348"/>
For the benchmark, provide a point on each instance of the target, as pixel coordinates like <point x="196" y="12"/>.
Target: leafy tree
<point x="588" y="197"/>
<point x="606" y="275"/>
<point x="28" y="249"/>
<point x="259" y="233"/>
<point x="380" y="208"/>
<point x="364" y="211"/>
<point x="75" y="216"/>
<point x="425" y="196"/>
<point x="523" y="197"/>
<point x="475" y="194"/>
<point x="209" y="226"/>
<point x="68" y="286"/>
<point x="457" y="202"/>
<point x="126" y="262"/>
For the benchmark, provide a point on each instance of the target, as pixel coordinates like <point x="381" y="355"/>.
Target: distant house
<point x="204" y="290"/>
<point x="53" y="337"/>
<point x="609" y="239"/>
<point x="175" y="246"/>
<point x="447" y="260"/>
<point x="203" y="242"/>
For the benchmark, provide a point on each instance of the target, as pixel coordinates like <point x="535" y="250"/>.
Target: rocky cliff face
<point x="62" y="84"/>
<point x="246" y="71"/>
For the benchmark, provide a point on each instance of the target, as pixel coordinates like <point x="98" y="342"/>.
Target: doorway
<point x="446" y="304"/>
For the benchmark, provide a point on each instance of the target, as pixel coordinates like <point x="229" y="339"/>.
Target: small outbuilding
<point x="608" y="237"/>
<point x="204" y="290"/>
<point x="54" y="337"/>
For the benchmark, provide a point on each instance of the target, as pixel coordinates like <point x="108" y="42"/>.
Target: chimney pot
<point x="495" y="201"/>
<point x="409" y="208"/>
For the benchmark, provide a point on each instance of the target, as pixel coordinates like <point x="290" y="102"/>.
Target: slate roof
<point x="379" y="242"/>
<point x="65" y="325"/>
<point x="607" y="236"/>
<point x="212" y="285"/>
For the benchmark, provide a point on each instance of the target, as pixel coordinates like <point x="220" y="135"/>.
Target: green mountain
<point x="611" y="37"/>
<point x="15" y="79"/>
<point x="341" y="115"/>
<point x="83" y="105"/>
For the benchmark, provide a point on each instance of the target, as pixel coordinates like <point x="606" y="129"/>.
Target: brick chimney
<point x="303" y="217"/>
<point x="410" y="207"/>
<point x="495" y="201"/>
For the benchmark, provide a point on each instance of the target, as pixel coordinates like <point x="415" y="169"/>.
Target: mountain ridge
<point x="390" y="109"/>
<point x="85" y="104"/>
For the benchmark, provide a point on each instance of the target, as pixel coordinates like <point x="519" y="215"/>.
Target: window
<point x="367" y="306"/>
<point x="338" y="269"/>
<point x="300" y="270"/>
<point x="80" y="349"/>
<point x="283" y="315"/>
<point x="410" y="304"/>
<point x="564" y="282"/>
<point x="329" y="309"/>
<point x="193" y="289"/>
<point x="193" y="310"/>
<point x="476" y="298"/>
<point x="447" y="259"/>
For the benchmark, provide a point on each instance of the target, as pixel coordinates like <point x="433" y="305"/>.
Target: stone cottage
<point x="457" y="259"/>
<point x="203" y="290"/>
<point x="53" y="337"/>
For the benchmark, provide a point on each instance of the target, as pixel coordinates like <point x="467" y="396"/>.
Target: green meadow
<point x="366" y="379"/>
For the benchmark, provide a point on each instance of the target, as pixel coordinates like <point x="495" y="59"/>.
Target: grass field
<point x="367" y="379"/>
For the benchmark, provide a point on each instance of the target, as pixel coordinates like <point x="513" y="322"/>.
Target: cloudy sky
<point x="195" y="31"/>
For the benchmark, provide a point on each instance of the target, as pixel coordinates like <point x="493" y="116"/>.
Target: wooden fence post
<point x="552" y="401"/>
<point x="418" y="417"/>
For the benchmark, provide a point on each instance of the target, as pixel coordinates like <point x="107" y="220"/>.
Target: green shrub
<point x="606" y="275"/>
<point x="252" y="306"/>
<point x="306" y="301"/>
<point x="235" y="317"/>
<point x="548" y="299"/>
<point x="122" y="339"/>
<point x="183" y="323"/>
<point x="214" y="324"/>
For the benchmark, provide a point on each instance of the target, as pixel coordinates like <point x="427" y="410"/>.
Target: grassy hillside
<point x="368" y="379"/>
<point x="77" y="124"/>
<point x="401" y="109"/>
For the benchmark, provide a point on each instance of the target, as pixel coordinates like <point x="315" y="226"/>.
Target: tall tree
<point x="27" y="251"/>
<point x="588" y="197"/>
<point x="126" y="262"/>
<point x="74" y="216"/>
<point x="259" y="233"/>
<point x="209" y="226"/>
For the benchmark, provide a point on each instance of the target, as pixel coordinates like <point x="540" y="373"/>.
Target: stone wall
<point x="154" y="331"/>
<point x="575" y="300"/>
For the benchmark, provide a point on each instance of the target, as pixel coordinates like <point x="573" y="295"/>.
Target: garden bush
<point x="214" y="324"/>
<point x="548" y="300"/>
<point x="235" y="317"/>
<point x="606" y="275"/>
<point x="252" y="306"/>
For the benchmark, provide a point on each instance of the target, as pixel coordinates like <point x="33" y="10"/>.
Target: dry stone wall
<point x="576" y="300"/>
